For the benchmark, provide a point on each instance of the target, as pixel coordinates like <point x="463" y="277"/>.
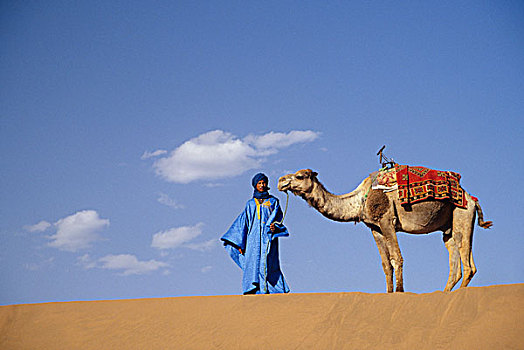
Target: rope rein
<point x="285" y="210"/>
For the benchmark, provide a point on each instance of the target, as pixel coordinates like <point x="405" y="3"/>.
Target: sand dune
<point x="471" y="318"/>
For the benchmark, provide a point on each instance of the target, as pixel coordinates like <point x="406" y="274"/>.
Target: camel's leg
<point x="463" y="225"/>
<point x="386" y="262"/>
<point x="471" y="262"/>
<point x="466" y="254"/>
<point x="388" y="230"/>
<point x="469" y="270"/>
<point x="455" y="272"/>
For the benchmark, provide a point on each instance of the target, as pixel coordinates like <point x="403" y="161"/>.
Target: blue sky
<point x="130" y="132"/>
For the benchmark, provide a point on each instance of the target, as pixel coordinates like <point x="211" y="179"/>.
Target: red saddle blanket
<point x="416" y="184"/>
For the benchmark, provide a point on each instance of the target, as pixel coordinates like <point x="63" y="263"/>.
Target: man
<point x="252" y="241"/>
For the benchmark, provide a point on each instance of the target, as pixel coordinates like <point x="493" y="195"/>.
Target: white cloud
<point x="153" y="154"/>
<point x="203" y="246"/>
<point x="78" y="231"/>
<point x="206" y="269"/>
<point x="212" y="155"/>
<point x="218" y="154"/>
<point x="39" y="265"/>
<point x="277" y="140"/>
<point x="40" y="227"/>
<point x="86" y="262"/>
<point x="166" y="200"/>
<point x="213" y="185"/>
<point x="129" y="264"/>
<point x="176" y="237"/>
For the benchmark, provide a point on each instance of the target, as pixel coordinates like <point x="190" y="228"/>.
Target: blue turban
<point x="256" y="179"/>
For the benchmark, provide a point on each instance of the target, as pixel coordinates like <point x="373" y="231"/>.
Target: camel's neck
<point x="346" y="207"/>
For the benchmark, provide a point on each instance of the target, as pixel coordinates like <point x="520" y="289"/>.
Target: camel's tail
<point x="481" y="222"/>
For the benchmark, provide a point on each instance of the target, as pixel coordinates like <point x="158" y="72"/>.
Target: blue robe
<point x="251" y="233"/>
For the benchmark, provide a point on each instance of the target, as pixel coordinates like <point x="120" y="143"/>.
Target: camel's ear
<point x="313" y="173"/>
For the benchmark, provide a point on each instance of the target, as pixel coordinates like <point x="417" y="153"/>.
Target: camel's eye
<point x="300" y="177"/>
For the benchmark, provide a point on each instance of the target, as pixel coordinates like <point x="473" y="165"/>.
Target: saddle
<point x="416" y="183"/>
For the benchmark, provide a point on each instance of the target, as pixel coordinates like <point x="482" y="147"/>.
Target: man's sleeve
<point x="275" y="217"/>
<point x="235" y="238"/>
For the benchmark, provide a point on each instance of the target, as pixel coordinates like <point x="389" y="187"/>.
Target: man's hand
<point x="272" y="227"/>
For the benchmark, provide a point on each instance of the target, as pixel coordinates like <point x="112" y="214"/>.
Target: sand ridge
<point x="469" y="318"/>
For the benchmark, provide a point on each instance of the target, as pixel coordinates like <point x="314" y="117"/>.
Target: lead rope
<point x="285" y="210"/>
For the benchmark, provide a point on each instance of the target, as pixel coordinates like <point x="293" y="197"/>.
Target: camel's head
<point x="299" y="183"/>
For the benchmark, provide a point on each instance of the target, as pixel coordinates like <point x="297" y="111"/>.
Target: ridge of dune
<point x="468" y="318"/>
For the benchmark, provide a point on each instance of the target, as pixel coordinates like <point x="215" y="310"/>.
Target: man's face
<point x="261" y="186"/>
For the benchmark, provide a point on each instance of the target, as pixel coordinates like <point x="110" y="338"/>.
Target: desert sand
<point x="469" y="318"/>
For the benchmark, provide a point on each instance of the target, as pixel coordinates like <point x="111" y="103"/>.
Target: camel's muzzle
<point x="283" y="184"/>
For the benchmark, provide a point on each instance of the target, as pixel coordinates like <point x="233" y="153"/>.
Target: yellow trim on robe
<point x="266" y="203"/>
<point x="258" y="208"/>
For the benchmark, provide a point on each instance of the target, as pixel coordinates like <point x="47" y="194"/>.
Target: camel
<point x="382" y="213"/>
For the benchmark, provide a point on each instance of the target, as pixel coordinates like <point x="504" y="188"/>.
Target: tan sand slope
<point x="471" y="318"/>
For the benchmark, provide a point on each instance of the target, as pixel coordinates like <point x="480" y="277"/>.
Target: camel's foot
<point x="452" y="282"/>
<point x="389" y="287"/>
<point x="468" y="275"/>
<point x="464" y="283"/>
